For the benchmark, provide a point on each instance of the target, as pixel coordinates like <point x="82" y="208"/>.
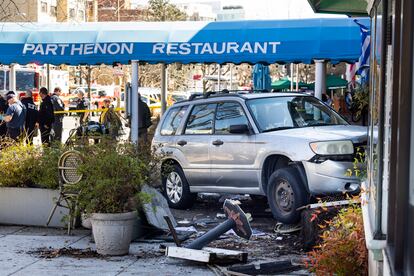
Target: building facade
<point x="44" y="10"/>
<point x="388" y="205"/>
<point x="229" y="13"/>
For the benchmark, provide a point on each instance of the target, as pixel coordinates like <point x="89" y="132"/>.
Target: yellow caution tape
<point x="95" y="110"/>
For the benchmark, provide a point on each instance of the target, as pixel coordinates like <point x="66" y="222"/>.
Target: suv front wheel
<point x="176" y="189"/>
<point x="286" y="193"/>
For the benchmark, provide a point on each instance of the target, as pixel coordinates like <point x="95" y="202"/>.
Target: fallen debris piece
<point x="207" y="255"/>
<point x="265" y="268"/>
<point x="237" y="220"/>
<point x="157" y="209"/>
<point x="220" y="216"/>
<point x="184" y="223"/>
<point x="281" y="228"/>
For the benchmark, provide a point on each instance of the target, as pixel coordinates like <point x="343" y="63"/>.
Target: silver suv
<point x="286" y="146"/>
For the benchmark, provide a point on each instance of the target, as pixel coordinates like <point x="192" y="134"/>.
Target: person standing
<point x="110" y="119"/>
<point x="15" y="116"/>
<point x="144" y="120"/>
<point x="83" y="104"/>
<point x="32" y="114"/>
<point x="3" y="109"/>
<point x="46" y="116"/>
<point x="58" y="105"/>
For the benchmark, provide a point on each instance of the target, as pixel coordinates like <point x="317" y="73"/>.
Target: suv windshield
<point x="275" y="113"/>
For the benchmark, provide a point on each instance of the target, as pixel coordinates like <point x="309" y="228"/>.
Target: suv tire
<point x="286" y="193"/>
<point x="176" y="189"/>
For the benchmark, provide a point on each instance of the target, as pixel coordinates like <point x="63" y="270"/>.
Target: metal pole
<point x="231" y="76"/>
<point x="320" y="78"/>
<point x="89" y="77"/>
<point x="291" y="77"/>
<point x="12" y="80"/>
<point x="212" y="235"/>
<point x="297" y="77"/>
<point x="48" y="77"/>
<point x="164" y="77"/>
<point x="134" y="102"/>
<point x="219" y="76"/>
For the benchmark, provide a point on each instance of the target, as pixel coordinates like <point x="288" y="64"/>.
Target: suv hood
<point x="357" y="134"/>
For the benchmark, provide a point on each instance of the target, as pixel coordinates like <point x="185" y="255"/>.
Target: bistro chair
<point x="68" y="177"/>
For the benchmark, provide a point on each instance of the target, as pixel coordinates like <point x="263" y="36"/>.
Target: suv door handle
<point x="182" y="143"/>
<point x="218" y="143"/>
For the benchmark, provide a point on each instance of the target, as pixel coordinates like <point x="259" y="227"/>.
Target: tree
<point x="163" y="10"/>
<point x="9" y="9"/>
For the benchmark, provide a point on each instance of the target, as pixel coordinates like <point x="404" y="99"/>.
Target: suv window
<point x="201" y="119"/>
<point x="173" y="120"/>
<point x="229" y="113"/>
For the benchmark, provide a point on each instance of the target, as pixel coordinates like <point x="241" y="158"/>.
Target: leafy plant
<point x="18" y="163"/>
<point x="112" y="178"/>
<point x="343" y="250"/>
<point x="361" y="100"/>
<point x="359" y="168"/>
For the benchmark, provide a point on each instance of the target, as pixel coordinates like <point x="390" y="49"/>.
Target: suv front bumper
<point x="330" y="177"/>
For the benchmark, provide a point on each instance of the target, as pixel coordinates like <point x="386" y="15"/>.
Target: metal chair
<point x="68" y="177"/>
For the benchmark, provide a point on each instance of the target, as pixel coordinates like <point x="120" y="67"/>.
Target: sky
<point x="265" y="9"/>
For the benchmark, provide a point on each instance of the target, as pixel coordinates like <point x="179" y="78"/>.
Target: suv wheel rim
<point x="284" y="196"/>
<point x="174" y="187"/>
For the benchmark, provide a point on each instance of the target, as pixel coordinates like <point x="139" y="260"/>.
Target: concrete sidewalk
<point x="144" y="258"/>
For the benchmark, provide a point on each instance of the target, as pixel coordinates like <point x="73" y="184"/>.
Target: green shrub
<point x="343" y="250"/>
<point x="47" y="172"/>
<point x="112" y="178"/>
<point x="18" y="164"/>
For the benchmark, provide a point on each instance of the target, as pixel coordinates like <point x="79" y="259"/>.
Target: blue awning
<point x="267" y="41"/>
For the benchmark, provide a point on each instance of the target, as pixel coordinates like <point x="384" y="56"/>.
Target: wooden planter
<point x="30" y="206"/>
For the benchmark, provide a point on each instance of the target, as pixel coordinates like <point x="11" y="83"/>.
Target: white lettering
<point x="63" y="48"/>
<point x="111" y="50"/>
<point x="206" y="48"/>
<point x="78" y="49"/>
<point x="51" y="48"/>
<point x="197" y="47"/>
<point x="223" y="48"/>
<point x="125" y="48"/>
<point x="184" y="48"/>
<point x="274" y="45"/>
<point x="246" y="48"/>
<point x="88" y="49"/>
<point x="260" y="46"/>
<point x="158" y="47"/>
<point x="172" y="48"/>
<point x="38" y="49"/>
<point x="28" y="47"/>
<point x="232" y="46"/>
<point x="100" y="48"/>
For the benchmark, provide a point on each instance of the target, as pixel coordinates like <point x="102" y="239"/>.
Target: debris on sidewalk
<point x="237" y="221"/>
<point x="49" y="253"/>
<point x="266" y="268"/>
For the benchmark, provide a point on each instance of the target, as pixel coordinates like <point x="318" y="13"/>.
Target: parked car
<point x="286" y="146"/>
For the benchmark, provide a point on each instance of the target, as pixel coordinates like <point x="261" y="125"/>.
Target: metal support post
<point x="320" y="78"/>
<point x="12" y="80"/>
<point x="219" y="77"/>
<point x="164" y="77"/>
<point x="134" y="102"/>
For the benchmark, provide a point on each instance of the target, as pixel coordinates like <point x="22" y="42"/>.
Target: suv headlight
<point x="332" y="147"/>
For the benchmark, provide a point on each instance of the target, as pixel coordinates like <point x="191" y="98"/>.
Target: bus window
<point x="25" y="80"/>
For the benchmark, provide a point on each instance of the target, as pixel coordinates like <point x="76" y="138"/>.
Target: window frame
<point x="188" y="118"/>
<point x="244" y="112"/>
<point x="168" y="114"/>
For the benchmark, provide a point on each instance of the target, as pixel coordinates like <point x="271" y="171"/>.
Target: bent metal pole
<point x="236" y="220"/>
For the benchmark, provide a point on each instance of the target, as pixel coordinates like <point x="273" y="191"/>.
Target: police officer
<point x="46" y="116"/>
<point x="3" y="109"/>
<point x="83" y="104"/>
<point x="144" y="120"/>
<point x="31" y="116"/>
<point x="58" y="105"/>
<point x="15" y="116"/>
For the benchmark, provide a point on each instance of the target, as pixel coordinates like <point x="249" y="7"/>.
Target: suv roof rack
<point x="224" y="92"/>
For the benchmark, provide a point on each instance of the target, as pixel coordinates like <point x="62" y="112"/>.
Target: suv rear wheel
<point x="286" y="193"/>
<point x="176" y="189"/>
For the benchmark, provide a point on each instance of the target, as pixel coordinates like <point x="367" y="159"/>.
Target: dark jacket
<point x="46" y="116"/>
<point x="58" y="105"/>
<point x="32" y="114"/>
<point x="144" y="115"/>
<point x="3" y="109"/>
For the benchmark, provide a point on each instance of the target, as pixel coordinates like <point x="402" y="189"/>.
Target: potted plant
<point x="110" y="193"/>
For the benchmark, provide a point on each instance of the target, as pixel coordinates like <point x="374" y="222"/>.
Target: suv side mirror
<point x="239" y="129"/>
